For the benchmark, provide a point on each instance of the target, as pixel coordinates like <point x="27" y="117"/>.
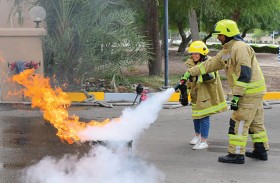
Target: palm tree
<point x="89" y="38"/>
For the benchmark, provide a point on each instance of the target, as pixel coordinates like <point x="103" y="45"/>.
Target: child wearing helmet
<point x="206" y="94"/>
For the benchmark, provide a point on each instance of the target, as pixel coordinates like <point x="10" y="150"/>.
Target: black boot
<point x="232" y="158"/>
<point x="259" y="152"/>
<point x="256" y="155"/>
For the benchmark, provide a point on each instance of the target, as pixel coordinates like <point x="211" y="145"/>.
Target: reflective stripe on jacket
<point x="207" y="96"/>
<point x="244" y="74"/>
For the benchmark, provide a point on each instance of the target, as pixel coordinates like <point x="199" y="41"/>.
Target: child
<point x="206" y="93"/>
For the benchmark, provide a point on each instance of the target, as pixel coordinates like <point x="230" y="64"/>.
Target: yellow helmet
<point x="226" y="27"/>
<point x="198" y="47"/>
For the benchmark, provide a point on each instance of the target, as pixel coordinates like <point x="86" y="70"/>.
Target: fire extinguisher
<point x="140" y="92"/>
<point x="183" y="92"/>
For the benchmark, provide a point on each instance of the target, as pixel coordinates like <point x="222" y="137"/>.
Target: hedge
<point x="266" y="49"/>
<point x="257" y="48"/>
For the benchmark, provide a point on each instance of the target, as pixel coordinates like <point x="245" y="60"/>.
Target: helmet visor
<point x="216" y="33"/>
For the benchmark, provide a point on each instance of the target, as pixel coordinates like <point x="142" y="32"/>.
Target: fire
<point x="54" y="105"/>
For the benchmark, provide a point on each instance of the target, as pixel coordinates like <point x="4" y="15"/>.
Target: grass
<point x="154" y="82"/>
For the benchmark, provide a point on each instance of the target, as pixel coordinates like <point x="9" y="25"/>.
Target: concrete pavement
<point x="26" y="138"/>
<point x="166" y="144"/>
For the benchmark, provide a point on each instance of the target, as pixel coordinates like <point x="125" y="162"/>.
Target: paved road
<point x="26" y="138"/>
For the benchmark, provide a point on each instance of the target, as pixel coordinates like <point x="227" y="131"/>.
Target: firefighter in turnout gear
<point x="248" y="87"/>
<point x="206" y="93"/>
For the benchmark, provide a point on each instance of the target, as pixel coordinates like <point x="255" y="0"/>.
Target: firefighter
<point x="206" y="93"/>
<point x="247" y="82"/>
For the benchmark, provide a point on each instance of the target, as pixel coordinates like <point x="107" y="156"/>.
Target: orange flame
<point x="53" y="104"/>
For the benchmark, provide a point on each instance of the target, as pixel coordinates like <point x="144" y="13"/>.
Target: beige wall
<point x="18" y="44"/>
<point x="6" y="22"/>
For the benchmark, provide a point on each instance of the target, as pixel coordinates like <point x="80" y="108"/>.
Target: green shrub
<point x="215" y="46"/>
<point x="266" y="49"/>
<point x="257" y="48"/>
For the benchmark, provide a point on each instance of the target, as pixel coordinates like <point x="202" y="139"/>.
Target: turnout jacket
<point x="244" y="74"/>
<point x="206" y="93"/>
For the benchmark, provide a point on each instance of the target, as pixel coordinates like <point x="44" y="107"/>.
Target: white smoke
<point x="100" y="165"/>
<point x="106" y="164"/>
<point x="131" y="123"/>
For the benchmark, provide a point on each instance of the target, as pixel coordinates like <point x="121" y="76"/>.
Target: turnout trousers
<point x="248" y="120"/>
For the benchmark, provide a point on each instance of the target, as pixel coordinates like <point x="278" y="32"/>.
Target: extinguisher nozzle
<point x="176" y="87"/>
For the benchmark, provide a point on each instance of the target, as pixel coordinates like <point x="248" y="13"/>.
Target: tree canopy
<point x="85" y="37"/>
<point x="90" y="38"/>
<point x="248" y="14"/>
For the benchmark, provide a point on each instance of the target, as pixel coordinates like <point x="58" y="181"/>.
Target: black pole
<point x="166" y="42"/>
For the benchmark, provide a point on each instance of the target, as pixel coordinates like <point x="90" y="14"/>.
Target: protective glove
<point x="183" y="81"/>
<point x="234" y="103"/>
<point x="186" y="76"/>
